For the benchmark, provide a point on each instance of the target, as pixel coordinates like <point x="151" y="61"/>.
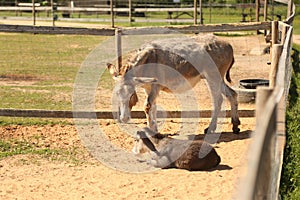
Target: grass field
<point x="290" y="178"/>
<point x="41" y="69"/>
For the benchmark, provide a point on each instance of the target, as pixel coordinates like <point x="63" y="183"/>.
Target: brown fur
<point x="182" y="154"/>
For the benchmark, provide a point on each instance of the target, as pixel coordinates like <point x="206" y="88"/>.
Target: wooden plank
<point x="110" y="115"/>
<point x="257" y="9"/>
<point x="290" y="9"/>
<point x="263" y="176"/>
<point x="191" y="9"/>
<point x="29" y="4"/>
<point x="284" y="69"/>
<point x="249" y="189"/>
<point x="112" y="14"/>
<point x="118" y="47"/>
<point x="33" y="13"/>
<point x="281" y="140"/>
<point x="274" y="28"/>
<point x="136" y="31"/>
<point x="63" y="9"/>
<point x="266" y="10"/>
<point x="276" y="53"/>
<point x="14" y="8"/>
<point x="291" y="12"/>
<point x="56" y="30"/>
<point x="199" y="28"/>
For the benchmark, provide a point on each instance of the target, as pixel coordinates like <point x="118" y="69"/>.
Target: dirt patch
<point x="30" y="176"/>
<point x="45" y="179"/>
<point x="17" y="79"/>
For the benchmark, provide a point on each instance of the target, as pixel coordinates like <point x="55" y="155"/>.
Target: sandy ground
<point x="37" y="177"/>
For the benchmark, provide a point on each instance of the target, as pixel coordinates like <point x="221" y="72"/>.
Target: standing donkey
<point x="176" y="65"/>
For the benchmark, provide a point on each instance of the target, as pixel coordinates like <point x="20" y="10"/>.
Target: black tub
<point x="253" y="83"/>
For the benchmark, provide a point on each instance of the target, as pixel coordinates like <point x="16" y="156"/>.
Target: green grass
<point x="46" y="66"/>
<point x="14" y="147"/>
<point x="290" y="177"/>
<point x="28" y="121"/>
<point x="22" y="147"/>
<point x="44" y="57"/>
<point x="25" y="97"/>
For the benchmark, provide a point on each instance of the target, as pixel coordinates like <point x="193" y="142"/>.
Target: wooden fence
<point x="195" y="8"/>
<point x="265" y="160"/>
<point x="264" y="164"/>
<point x="125" y="31"/>
<point x="253" y="26"/>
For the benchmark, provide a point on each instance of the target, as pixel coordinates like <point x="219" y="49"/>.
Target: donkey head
<point x="124" y="91"/>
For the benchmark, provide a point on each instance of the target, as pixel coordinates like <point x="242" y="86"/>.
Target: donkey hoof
<point x="236" y="130"/>
<point x="208" y="131"/>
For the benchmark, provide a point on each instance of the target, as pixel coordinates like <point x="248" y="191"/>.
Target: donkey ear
<point x="143" y="80"/>
<point x="112" y="69"/>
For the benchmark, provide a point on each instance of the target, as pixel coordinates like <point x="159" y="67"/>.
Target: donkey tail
<point x="228" y="72"/>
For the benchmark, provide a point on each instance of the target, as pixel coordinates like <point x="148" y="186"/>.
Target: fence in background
<point x="265" y="162"/>
<point x="197" y="13"/>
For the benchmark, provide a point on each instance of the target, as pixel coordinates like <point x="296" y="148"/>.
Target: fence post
<point x="265" y="14"/>
<point x="276" y="52"/>
<point x="129" y="11"/>
<point x="274" y="36"/>
<point x="262" y="95"/>
<point x="118" y="46"/>
<point x="266" y="10"/>
<point x="195" y="12"/>
<point x="200" y="12"/>
<point x="33" y="12"/>
<point x="112" y="13"/>
<point x="257" y="8"/>
<point x="284" y="30"/>
<point x="264" y="174"/>
<point x="16" y="5"/>
<point x="274" y="39"/>
<point x="52" y="13"/>
<point x="290" y="8"/>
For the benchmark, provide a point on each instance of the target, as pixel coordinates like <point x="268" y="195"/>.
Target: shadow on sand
<point x="224" y="136"/>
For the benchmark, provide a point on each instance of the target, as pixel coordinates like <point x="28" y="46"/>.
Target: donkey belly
<point x="180" y="86"/>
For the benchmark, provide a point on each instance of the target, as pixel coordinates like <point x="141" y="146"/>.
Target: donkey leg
<point x="215" y="84"/>
<point x="161" y="162"/>
<point x="217" y="103"/>
<point x="231" y="95"/>
<point x="150" y="107"/>
<point x="150" y="111"/>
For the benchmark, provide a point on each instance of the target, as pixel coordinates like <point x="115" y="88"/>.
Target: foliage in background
<point x="290" y="177"/>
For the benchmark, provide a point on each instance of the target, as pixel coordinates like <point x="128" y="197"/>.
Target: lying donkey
<point x="174" y="153"/>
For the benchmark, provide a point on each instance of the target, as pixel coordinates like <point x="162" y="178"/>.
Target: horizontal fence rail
<point x="136" y="11"/>
<point x="110" y="114"/>
<point x="253" y="26"/>
<point x="134" y="8"/>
